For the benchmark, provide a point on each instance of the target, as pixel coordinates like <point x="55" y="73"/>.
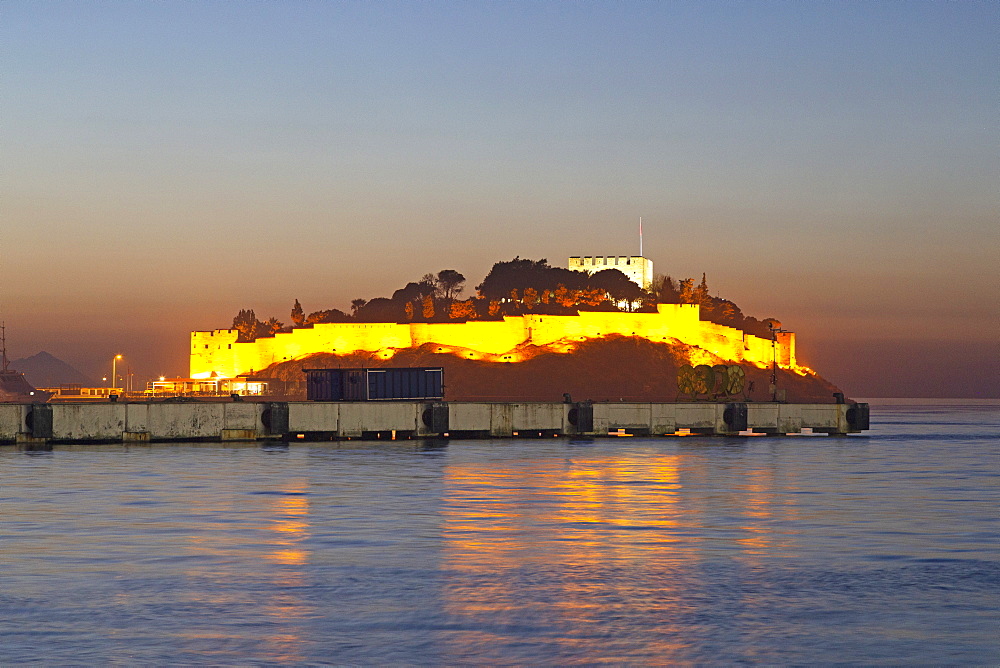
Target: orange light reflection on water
<point x="291" y="526"/>
<point x="579" y="517"/>
<point x="628" y="529"/>
<point x="284" y="521"/>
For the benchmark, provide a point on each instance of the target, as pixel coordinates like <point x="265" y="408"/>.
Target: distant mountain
<point x="45" y="370"/>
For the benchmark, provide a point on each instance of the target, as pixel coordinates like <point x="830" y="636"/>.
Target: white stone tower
<point x="639" y="269"/>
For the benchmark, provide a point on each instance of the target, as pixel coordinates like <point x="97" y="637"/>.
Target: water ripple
<point x="877" y="550"/>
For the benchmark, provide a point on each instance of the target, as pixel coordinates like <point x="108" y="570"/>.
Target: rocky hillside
<point x="610" y="369"/>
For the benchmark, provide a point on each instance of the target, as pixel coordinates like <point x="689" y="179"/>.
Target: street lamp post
<point x="775" y="328"/>
<point x="114" y="369"/>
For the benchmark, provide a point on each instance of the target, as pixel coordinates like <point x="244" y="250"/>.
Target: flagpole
<point x="640" y="236"/>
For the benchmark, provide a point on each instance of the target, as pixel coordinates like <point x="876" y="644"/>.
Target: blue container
<point x="387" y="384"/>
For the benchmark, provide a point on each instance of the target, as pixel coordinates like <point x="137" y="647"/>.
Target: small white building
<point x="639" y="269"/>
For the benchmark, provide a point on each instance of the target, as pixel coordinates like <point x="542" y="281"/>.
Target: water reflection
<point x="557" y="539"/>
<point x="503" y="552"/>
<point x="757" y="499"/>
<point x="287" y="608"/>
<point x="290" y="524"/>
<point x="271" y="526"/>
<point x="572" y="539"/>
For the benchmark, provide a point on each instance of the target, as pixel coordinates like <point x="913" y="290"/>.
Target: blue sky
<point x="831" y="164"/>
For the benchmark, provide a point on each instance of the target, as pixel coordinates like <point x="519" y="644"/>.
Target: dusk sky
<point x="835" y="165"/>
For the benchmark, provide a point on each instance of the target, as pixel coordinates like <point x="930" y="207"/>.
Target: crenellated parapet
<point x="219" y="352"/>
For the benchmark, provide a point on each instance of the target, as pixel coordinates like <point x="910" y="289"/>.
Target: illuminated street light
<point x="114" y="369"/>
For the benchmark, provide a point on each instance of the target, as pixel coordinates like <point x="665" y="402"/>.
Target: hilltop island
<point x="532" y="332"/>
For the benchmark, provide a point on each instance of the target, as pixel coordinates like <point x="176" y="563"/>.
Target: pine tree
<point x="246" y="324"/>
<point x="685" y="291"/>
<point x="700" y="293"/>
<point x="298" y="315"/>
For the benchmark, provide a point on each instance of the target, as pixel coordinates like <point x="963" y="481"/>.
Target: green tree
<point x="413" y="292"/>
<point x="518" y="274"/>
<point x="617" y="286"/>
<point x="356" y="305"/>
<point x="463" y="310"/>
<point x="272" y="326"/>
<point x="663" y="290"/>
<point x="530" y="298"/>
<point x="298" y="315"/>
<point x="379" y="309"/>
<point x="331" y="315"/>
<point x="251" y="329"/>
<point x="409" y="298"/>
<point x="450" y="283"/>
<point x="685" y="292"/>
<point x="246" y="323"/>
<point x="431" y="282"/>
<point x="700" y="294"/>
<point x="564" y="297"/>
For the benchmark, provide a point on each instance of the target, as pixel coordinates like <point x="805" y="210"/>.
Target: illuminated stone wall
<point x="218" y="352"/>
<point x="637" y="268"/>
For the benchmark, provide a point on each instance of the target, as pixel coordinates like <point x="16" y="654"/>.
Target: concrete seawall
<point x="139" y="422"/>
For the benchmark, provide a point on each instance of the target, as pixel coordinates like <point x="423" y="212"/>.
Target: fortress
<point x="638" y="269"/>
<point x="218" y="353"/>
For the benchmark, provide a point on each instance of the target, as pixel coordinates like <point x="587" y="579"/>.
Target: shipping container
<point x="386" y="384"/>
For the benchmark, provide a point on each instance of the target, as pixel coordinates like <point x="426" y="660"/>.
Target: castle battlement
<point x="219" y="352"/>
<point x="639" y="269"/>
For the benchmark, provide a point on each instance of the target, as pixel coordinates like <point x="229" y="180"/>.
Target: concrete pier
<point x="165" y="421"/>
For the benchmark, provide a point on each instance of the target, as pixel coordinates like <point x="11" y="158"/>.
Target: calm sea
<point x="874" y="549"/>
